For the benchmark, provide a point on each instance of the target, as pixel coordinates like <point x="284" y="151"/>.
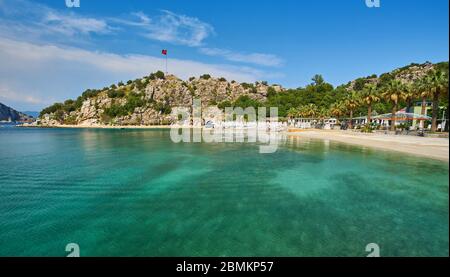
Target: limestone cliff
<point x="407" y="74"/>
<point x="149" y="100"/>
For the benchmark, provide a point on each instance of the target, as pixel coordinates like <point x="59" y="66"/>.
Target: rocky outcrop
<point x="407" y="75"/>
<point x="413" y="72"/>
<point x="149" y="100"/>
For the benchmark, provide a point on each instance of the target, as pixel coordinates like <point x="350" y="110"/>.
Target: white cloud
<point x="36" y="68"/>
<point x="7" y="94"/>
<point x="171" y="27"/>
<point x="70" y="24"/>
<point x="52" y="73"/>
<point x="35" y="20"/>
<point x="251" y="58"/>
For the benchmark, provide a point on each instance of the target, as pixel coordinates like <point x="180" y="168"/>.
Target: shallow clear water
<point x="135" y="193"/>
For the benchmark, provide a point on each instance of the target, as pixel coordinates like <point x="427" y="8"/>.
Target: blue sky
<point x="50" y="52"/>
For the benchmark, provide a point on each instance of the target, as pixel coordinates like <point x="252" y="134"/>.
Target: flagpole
<point x="165" y="53"/>
<point x="166" y="63"/>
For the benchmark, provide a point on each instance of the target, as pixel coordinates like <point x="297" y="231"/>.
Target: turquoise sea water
<point x="135" y="193"/>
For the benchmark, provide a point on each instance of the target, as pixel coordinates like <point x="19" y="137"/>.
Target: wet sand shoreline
<point x="435" y="148"/>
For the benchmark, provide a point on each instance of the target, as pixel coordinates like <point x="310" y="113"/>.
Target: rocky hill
<point x="149" y="100"/>
<point x="9" y="114"/>
<point x="406" y="74"/>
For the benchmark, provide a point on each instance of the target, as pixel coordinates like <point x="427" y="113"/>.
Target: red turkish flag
<point x="164" y="52"/>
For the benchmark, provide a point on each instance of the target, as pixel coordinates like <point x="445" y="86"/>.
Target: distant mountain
<point x="33" y="114"/>
<point x="9" y="114"/>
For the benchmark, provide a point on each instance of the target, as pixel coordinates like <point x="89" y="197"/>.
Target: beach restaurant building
<point x="401" y="117"/>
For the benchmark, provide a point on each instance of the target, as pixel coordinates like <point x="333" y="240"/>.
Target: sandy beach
<point x="435" y="148"/>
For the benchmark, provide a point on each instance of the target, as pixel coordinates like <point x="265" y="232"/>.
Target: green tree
<point x="309" y="111"/>
<point x="352" y="102"/>
<point x="159" y="74"/>
<point x="410" y="93"/>
<point x="292" y="113"/>
<point x="424" y="88"/>
<point x="369" y="96"/>
<point x="337" y="109"/>
<point x="393" y="92"/>
<point x="318" y="80"/>
<point x="439" y="85"/>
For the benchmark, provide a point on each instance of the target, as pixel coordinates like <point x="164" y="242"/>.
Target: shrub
<point x="359" y="84"/>
<point x="116" y="93"/>
<point x="90" y="93"/>
<point x="205" y="77"/>
<point x="224" y="104"/>
<point x="116" y="110"/>
<point x="51" y="109"/>
<point x="134" y="101"/>
<point x="247" y="86"/>
<point x="164" y="108"/>
<point x="385" y="78"/>
<point x="69" y="106"/>
<point x="245" y="102"/>
<point x="140" y="85"/>
<point x="271" y="92"/>
<point x="79" y="102"/>
<point x="59" y="115"/>
<point x="157" y="75"/>
<point x="192" y="90"/>
<point x="70" y="120"/>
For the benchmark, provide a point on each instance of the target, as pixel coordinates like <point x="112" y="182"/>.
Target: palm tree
<point x="311" y="110"/>
<point x="439" y="85"/>
<point x="323" y="113"/>
<point x="394" y="93"/>
<point x="424" y="87"/>
<point x="352" y="102"/>
<point x="301" y="111"/>
<point x="370" y="95"/>
<point x="308" y="111"/>
<point x="410" y="93"/>
<point x="337" y="109"/>
<point x="292" y="112"/>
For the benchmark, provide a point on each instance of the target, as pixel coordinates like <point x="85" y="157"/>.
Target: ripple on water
<point x="135" y="193"/>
